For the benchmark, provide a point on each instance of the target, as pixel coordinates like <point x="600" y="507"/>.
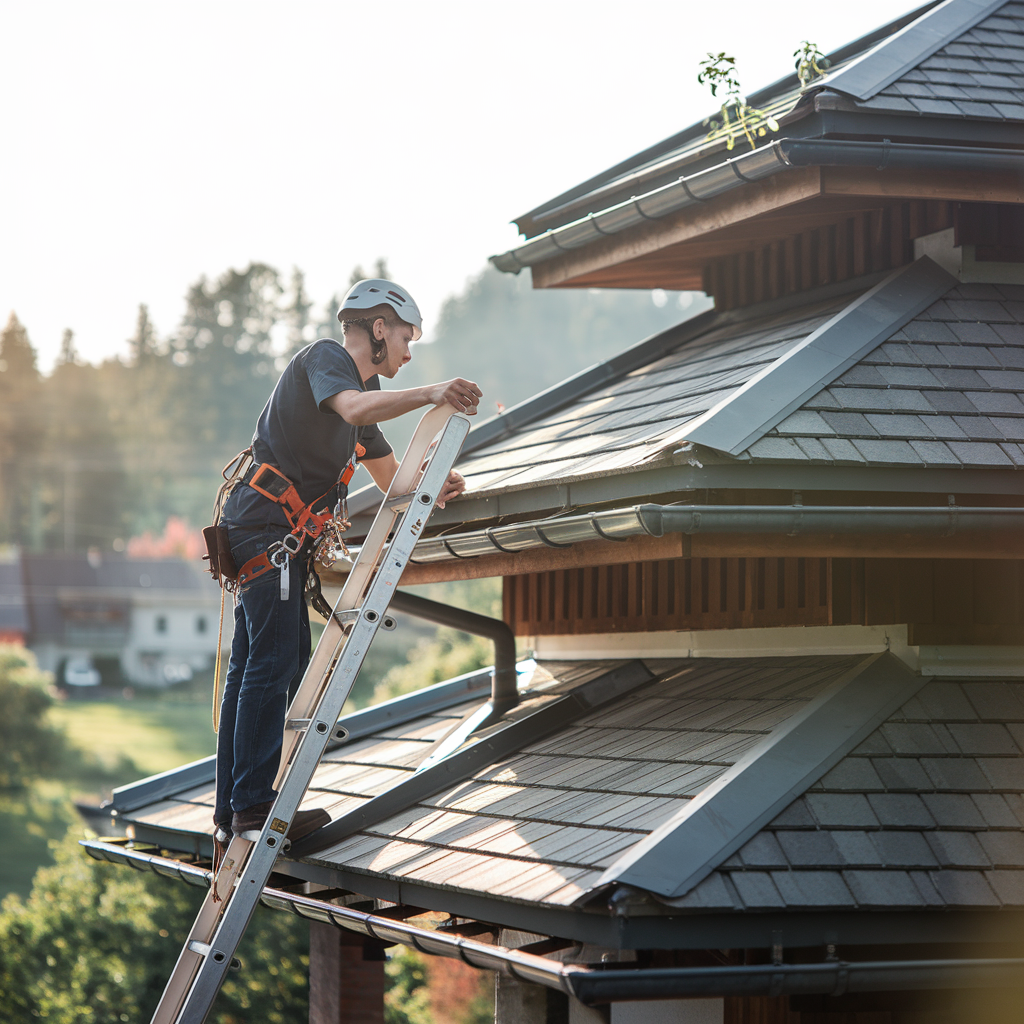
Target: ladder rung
<point x="400" y="500"/>
<point x="297" y="724"/>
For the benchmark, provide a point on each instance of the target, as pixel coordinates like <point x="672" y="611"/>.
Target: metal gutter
<point x="658" y="520"/>
<point x="666" y="151"/>
<point x="504" y="691"/>
<point x="890" y="59"/>
<point x="747" y="414"/>
<point x="764" y="162"/>
<point x="597" y="985"/>
<point x="357" y="725"/>
<point x="683" y="851"/>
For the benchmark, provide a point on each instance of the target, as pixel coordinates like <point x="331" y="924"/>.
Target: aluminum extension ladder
<point x="209" y="950"/>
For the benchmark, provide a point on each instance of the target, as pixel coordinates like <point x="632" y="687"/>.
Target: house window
<point x="161" y="623"/>
<point x="201" y="624"/>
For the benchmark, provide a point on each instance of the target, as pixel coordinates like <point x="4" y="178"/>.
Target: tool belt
<point x="318" y="526"/>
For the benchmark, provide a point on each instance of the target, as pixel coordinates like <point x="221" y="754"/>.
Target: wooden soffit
<point x="671" y="252"/>
<point x="983" y="544"/>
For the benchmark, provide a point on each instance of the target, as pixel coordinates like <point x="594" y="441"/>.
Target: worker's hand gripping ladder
<point x="209" y="951"/>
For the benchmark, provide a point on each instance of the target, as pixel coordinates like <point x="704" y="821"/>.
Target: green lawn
<point x="154" y="734"/>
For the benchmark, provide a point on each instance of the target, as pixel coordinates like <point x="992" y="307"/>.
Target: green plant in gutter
<point x="811" y="63"/>
<point x="718" y="71"/>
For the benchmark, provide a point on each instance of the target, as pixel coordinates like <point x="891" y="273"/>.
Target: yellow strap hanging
<point x="216" y="667"/>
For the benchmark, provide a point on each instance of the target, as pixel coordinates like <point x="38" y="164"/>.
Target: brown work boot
<point x="249" y="823"/>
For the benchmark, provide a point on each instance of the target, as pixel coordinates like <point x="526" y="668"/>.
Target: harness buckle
<point x="278" y="554"/>
<point x="292" y="543"/>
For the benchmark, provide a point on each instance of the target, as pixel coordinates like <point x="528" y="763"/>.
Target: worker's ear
<point x="378" y="328"/>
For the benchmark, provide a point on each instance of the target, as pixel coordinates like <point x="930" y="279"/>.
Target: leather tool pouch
<point x="222" y="564"/>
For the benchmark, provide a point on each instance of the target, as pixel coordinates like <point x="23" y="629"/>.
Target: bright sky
<point x="147" y="143"/>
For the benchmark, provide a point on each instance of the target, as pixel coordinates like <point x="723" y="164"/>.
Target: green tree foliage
<point x="90" y="454"/>
<point x="29" y="747"/>
<point x="96" y="942"/>
<point x="449" y="654"/>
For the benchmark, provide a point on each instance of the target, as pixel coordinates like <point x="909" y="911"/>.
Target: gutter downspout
<point x="504" y="691"/>
<point x="595" y="986"/>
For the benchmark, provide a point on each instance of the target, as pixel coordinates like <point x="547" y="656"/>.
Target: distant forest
<point x="91" y="455"/>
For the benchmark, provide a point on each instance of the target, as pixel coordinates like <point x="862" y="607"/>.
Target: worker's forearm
<point x="361" y="408"/>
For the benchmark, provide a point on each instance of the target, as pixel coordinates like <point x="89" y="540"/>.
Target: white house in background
<point x="150" y="622"/>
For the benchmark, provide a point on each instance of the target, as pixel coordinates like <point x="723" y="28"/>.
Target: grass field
<point x="153" y="734"/>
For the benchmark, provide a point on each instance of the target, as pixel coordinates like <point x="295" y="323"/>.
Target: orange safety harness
<point x="269" y="481"/>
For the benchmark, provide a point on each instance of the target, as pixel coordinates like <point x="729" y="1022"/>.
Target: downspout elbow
<point x="504" y="689"/>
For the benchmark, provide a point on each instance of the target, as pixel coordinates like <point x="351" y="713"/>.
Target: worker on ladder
<point x="321" y="418"/>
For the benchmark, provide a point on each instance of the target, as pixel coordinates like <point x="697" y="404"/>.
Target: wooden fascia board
<point x="737" y="205"/>
<point x="774" y="208"/>
<point x="907" y="183"/>
<point x="989" y="545"/>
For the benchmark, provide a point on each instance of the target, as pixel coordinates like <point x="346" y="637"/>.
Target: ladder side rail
<point x="198" y="976"/>
<point x="406" y="479"/>
<point x="420" y="454"/>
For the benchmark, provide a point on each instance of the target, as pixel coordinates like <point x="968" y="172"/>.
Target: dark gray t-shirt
<point x="300" y="435"/>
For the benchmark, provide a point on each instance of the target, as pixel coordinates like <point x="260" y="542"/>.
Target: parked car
<point x="81" y="672"/>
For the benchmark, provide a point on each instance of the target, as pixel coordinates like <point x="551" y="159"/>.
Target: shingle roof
<point x="928" y="812"/>
<point x="943" y="391"/>
<point x="979" y="75"/>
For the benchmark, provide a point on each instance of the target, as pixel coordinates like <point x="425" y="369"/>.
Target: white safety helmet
<point x="365" y="295"/>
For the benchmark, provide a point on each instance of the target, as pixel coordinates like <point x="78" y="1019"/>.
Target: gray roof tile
<point x="856" y="773"/>
<point x="903" y="849"/>
<point x="796" y="815"/>
<point x="1011" y="429"/>
<point x="1015" y="453"/>
<point x="1004" y="849"/>
<point x="934" y="453"/>
<point x="841" y="450"/>
<point x="943" y="426"/>
<point x="956" y="773"/>
<point x="926" y="888"/>
<point x="983" y="738"/>
<point x="776" y="448"/>
<point x="949" y="401"/>
<point x="894" y="425"/>
<point x="1003" y="378"/>
<point x="804" y="421"/>
<point x="913" y="738"/>
<point x="978" y="427"/>
<point x="978" y="309"/>
<point x="953" y="810"/>
<point x="1008" y="886"/>
<point x="957" y="849"/>
<point x="863" y="374"/>
<point x="901" y="810"/>
<point x="909" y="376"/>
<point x="849" y="423"/>
<point x="882" y="888"/>
<point x="898" y="773"/>
<point x="931" y="331"/>
<point x="882" y="399"/>
<point x="810" y="849"/>
<point x="997" y="402"/>
<point x="813" y="888"/>
<point x="888" y="452"/>
<point x="710" y="894"/>
<point x="814" y="449"/>
<point x="970" y="333"/>
<point x="1004" y="772"/>
<point x="850" y="810"/>
<point x="763" y="851"/>
<point x="856" y="848"/>
<point x="927" y="106"/>
<point x="964" y="888"/>
<point x="995" y="810"/>
<point x="756" y="889"/>
<point x="979" y="453"/>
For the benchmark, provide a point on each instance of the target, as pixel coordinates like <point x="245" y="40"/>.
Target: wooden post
<point x="343" y="987"/>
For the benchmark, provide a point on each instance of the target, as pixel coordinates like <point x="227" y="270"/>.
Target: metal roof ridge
<point x="770" y="395"/>
<point x="892" y="57"/>
<point x="682" y="852"/>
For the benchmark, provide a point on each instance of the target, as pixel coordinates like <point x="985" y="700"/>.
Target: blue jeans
<point x="269" y="653"/>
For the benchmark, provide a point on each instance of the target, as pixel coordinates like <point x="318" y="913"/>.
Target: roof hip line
<point x="682" y="852"/>
<point x="782" y="387"/>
